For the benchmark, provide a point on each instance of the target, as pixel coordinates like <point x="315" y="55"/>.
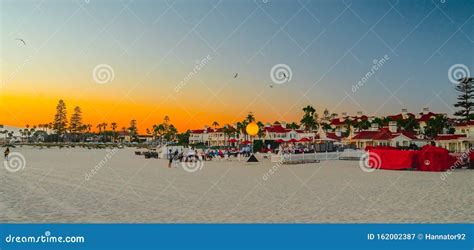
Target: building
<point x="390" y="136"/>
<point x="277" y="131"/>
<point x="461" y="141"/>
<point x="199" y="136"/>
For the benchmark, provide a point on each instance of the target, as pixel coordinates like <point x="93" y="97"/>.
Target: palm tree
<point x="27" y="132"/>
<point x="378" y="121"/>
<point x="239" y="128"/>
<point x="310" y="118"/>
<point x="250" y="118"/>
<point x="293" y="125"/>
<point x="410" y="124"/>
<point x="348" y="124"/>
<point x="436" y="125"/>
<point x="159" y="130"/>
<point x="215" y="125"/>
<point x="261" y="129"/>
<point x="113" y="125"/>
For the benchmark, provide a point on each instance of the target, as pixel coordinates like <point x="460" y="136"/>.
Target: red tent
<point x="392" y="159"/>
<point x="305" y="140"/>
<point x="431" y="158"/>
<point x="279" y="141"/>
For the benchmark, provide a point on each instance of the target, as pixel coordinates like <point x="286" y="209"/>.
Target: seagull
<point x="236" y="74"/>
<point x="271" y="86"/>
<point x="21" y="40"/>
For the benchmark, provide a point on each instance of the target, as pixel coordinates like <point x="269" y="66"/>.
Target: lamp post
<point x="252" y="130"/>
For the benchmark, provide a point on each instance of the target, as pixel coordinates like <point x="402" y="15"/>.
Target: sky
<point x="138" y="59"/>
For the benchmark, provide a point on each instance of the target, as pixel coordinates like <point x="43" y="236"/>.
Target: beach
<point x="81" y="185"/>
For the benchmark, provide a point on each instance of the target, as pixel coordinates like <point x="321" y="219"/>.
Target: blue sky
<point x="329" y="46"/>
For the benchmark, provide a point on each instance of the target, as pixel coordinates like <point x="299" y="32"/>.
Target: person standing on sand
<point x="7" y="152"/>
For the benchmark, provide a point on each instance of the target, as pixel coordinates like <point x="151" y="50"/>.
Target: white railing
<point x="312" y="157"/>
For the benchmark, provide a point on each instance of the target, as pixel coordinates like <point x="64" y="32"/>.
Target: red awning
<point x="279" y="141"/>
<point x="233" y="140"/>
<point x="305" y="140"/>
<point x="246" y="142"/>
<point x="292" y="140"/>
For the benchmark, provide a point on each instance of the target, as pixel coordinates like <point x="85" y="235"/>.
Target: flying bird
<point x="21" y="40"/>
<point x="236" y="75"/>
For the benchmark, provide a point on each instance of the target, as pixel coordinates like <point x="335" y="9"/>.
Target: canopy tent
<point x="392" y="159"/>
<point x="431" y="158"/>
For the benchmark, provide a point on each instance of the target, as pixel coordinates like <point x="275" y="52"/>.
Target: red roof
<point x="200" y="131"/>
<point x="426" y="117"/>
<point x="337" y="121"/>
<point x="399" y="116"/>
<point x="449" y="137"/>
<point x="367" y="135"/>
<point x="333" y="136"/>
<point x="409" y="135"/>
<point x="362" y="117"/>
<point x="381" y="135"/>
<point x="461" y="124"/>
<point x="276" y="128"/>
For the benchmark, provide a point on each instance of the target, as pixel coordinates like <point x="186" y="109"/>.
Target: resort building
<point x="461" y="141"/>
<point x="277" y="131"/>
<point x="390" y="136"/>
<point x="198" y="136"/>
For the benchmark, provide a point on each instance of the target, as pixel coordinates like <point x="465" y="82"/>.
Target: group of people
<point x="295" y="149"/>
<point x="191" y="154"/>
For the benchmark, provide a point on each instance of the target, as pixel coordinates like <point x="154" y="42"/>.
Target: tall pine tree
<point x="465" y="98"/>
<point x="60" y="119"/>
<point x="75" y="124"/>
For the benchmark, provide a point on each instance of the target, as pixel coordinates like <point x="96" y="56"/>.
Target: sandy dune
<point x="127" y="188"/>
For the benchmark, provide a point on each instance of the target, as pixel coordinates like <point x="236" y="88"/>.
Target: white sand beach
<point x="128" y="188"/>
